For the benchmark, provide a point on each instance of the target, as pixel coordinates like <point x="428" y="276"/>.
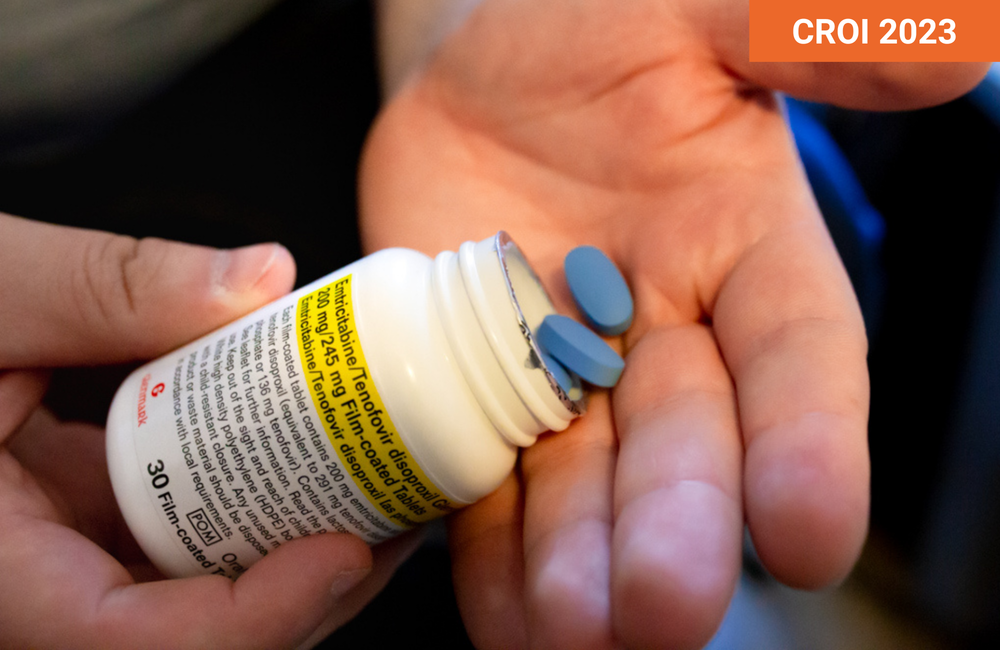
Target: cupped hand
<point x="70" y="574"/>
<point x="640" y="127"/>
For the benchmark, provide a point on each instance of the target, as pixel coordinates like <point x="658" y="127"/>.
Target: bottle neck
<point x="490" y="301"/>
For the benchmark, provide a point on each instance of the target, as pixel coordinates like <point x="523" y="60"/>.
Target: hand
<point x="640" y="127"/>
<point x="69" y="570"/>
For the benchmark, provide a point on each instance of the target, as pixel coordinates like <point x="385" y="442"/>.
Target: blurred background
<point x="247" y="146"/>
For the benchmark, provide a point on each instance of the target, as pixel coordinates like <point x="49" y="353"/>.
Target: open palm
<point x="635" y="127"/>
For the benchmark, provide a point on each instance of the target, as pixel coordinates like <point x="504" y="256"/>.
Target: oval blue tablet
<point x="580" y="350"/>
<point x="599" y="290"/>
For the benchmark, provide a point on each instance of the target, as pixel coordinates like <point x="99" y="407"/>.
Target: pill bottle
<point x="385" y="394"/>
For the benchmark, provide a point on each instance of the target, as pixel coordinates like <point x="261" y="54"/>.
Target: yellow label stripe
<point x="352" y="412"/>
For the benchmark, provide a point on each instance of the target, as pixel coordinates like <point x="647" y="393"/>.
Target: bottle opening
<point x="532" y="304"/>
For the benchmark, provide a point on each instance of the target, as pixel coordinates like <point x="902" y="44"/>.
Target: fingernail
<point x="347" y="580"/>
<point x="240" y="269"/>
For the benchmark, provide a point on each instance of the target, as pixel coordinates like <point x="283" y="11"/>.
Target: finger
<point x="277" y="603"/>
<point x="567" y="533"/>
<point x="870" y="86"/>
<point x="20" y="394"/>
<point x="488" y="568"/>
<point x="678" y="510"/>
<point x="792" y="335"/>
<point x="867" y="85"/>
<point x="70" y="464"/>
<point x="74" y="296"/>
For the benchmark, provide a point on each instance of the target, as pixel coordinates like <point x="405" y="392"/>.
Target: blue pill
<point x="560" y="373"/>
<point x="599" y="290"/>
<point x="580" y="350"/>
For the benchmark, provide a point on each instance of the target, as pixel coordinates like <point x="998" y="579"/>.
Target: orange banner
<point x="874" y="30"/>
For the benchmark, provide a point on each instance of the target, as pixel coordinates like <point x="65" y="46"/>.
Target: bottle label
<point x="271" y="429"/>
<point x="356" y="421"/>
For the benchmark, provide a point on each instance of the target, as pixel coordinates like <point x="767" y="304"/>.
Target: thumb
<point x="277" y="603"/>
<point x="73" y="296"/>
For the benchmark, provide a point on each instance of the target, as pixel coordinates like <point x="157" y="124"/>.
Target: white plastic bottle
<point x="381" y="396"/>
